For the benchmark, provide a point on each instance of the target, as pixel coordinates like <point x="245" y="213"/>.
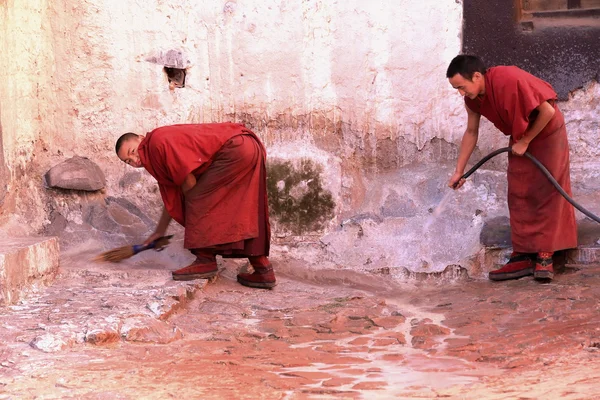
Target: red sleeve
<point x="525" y="95"/>
<point x="177" y="157"/>
<point x="173" y="200"/>
<point x="472" y="104"/>
<point x="168" y="161"/>
<point x="171" y="153"/>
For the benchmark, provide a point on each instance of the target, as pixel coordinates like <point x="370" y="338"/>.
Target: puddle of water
<point x="411" y="373"/>
<point x="251" y="321"/>
<point x="416" y="369"/>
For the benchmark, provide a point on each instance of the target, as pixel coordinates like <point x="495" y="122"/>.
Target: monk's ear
<point x="477" y="76"/>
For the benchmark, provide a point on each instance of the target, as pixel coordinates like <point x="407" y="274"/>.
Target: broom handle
<point x="141" y="247"/>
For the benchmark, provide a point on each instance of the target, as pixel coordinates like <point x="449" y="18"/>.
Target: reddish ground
<point x="464" y="340"/>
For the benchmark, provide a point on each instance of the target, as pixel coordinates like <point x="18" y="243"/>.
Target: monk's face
<point x="470" y="88"/>
<point x="128" y="153"/>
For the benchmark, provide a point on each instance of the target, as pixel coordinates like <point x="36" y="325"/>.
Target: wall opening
<point x="176" y="77"/>
<point x="175" y="64"/>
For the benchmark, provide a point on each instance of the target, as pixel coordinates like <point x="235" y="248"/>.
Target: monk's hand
<point x="153" y="237"/>
<point x="455" y="181"/>
<point x="519" y="148"/>
<point x="188" y="183"/>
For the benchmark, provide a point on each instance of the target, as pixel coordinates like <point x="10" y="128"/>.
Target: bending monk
<point x="523" y="107"/>
<point x="212" y="180"/>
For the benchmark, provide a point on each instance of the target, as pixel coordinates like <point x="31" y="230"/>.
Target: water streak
<point x="438" y="210"/>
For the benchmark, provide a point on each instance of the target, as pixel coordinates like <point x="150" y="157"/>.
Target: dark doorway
<point x="556" y="40"/>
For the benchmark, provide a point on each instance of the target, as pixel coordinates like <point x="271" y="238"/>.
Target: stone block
<point x="584" y="255"/>
<point x="495" y="233"/>
<point x="25" y="262"/>
<point x="76" y="173"/>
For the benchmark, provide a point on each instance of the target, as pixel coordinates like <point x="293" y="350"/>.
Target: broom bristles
<point x="124" y="252"/>
<point x="116" y="255"/>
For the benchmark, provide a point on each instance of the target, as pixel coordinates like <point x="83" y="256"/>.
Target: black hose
<point x="544" y="171"/>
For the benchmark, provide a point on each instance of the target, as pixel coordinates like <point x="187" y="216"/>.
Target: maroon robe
<point x="541" y="219"/>
<point x="227" y="209"/>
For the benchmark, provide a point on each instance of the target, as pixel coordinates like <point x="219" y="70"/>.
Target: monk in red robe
<point x="212" y="180"/>
<point x="523" y="107"/>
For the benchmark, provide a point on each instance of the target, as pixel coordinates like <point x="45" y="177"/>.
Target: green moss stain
<point x="297" y="199"/>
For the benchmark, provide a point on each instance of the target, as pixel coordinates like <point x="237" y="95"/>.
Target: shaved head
<point x="127" y="149"/>
<point x="466" y="65"/>
<point x="125" y="137"/>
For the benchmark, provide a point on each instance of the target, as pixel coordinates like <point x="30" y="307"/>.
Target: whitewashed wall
<point x="354" y="85"/>
<point x="295" y="70"/>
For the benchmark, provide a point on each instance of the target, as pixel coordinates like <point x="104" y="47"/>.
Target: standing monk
<point x="212" y="180"/>
<point x="523" y="107"/>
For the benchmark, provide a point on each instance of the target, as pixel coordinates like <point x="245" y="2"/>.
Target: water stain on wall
<point x="298" y="202"/>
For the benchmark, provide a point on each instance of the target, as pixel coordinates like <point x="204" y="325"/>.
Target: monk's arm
<point x="163" y="222"/>
<point x="161" y="227"/>
<point x="467" y="145"/>
<point x="546" y="112"/>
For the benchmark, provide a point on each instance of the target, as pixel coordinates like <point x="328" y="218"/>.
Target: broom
<point x="122" y="253"/>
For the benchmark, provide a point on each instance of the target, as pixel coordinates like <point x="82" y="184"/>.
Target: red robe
<point x="541" y="219"/>
<point x="227" y="210"/>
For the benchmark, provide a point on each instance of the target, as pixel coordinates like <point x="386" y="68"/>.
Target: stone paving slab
<point x="99" y="303"/>
<point x="584" y="255"/>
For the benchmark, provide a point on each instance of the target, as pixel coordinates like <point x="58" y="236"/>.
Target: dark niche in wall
<point x="175" y="76"/>
<point x="175" y="64"/>
<point x="556" y="40"/>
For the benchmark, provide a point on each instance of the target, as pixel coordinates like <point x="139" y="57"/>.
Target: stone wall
<point x="355" y="90"/>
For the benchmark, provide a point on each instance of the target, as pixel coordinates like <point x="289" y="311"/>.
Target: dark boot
<point x="544" y="270"/>
<point x="263" y="276"/>
<point x="519" y="265"/>
<point x="203" y="267"/>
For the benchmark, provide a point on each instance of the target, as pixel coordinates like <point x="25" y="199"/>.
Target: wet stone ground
<point x="128" y="332"/>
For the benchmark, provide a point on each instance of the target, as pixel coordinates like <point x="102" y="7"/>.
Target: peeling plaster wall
<point x="357" y="87"/>
<point x="362" y="81"/>
<point x="26" y="66"/>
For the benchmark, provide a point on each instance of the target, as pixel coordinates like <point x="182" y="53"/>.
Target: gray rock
<point x="117" y="216"/>
<point x="99" y="217"/>
<point x="77" y="173"/>
<point x="58" y="224"/>
<point x="496" y="233"/>
<point x="129" y="179"/>
<point x="130" y="208"/>
<point x="171" y="58"/>
<point x="588" y="231"/>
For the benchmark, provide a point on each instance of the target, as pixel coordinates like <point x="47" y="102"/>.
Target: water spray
<point x="544" y="171"/>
